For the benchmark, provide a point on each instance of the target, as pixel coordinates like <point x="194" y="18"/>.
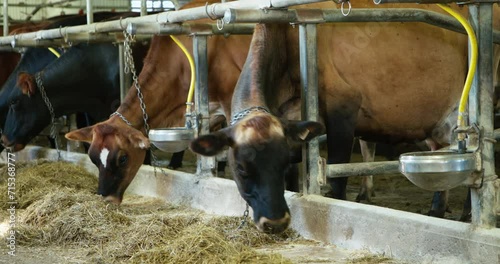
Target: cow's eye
<point x="14" y="102"/>
<point x="241" y="171"/>
<point x="122" y="160"/>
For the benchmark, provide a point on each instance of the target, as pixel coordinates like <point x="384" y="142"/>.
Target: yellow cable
<point x="472" y="65"/>
<point x="191" y="65"/>
<point x="55" y="52"/>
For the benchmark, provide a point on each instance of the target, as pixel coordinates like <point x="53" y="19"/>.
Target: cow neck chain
<point x="53" y="133"/>
<point x="245" y="217"/>
<point x="240" y="115"/>
<point x="130" y="67"/>
<point x="116" y="113"/>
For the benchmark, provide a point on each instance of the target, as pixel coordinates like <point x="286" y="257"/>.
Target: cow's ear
<point x="26" y="83"/>
<point x="83" y="134"/>
<point x="138" y="140"/>
<point x="303" y="130"/>
<point x="213" y="143"/>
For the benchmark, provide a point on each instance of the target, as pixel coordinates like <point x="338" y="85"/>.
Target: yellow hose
<point x="472" y="66"/>
<point x="191" y="65"/>
<point x="55" y="52"/>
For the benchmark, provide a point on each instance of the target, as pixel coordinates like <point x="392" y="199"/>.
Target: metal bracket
<point x="321" y="171"/>
<point x="473" y="134"/>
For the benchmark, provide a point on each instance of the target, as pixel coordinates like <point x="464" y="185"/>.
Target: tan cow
<point x="385" y="82"/>
<point x="118" y="149"/>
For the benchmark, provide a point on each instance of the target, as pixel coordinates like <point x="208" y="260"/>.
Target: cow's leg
<point x="176" y="160"/>
<point x="368" y="153"/>
<point x="292" y="178"/>
<point x="340" y="130"/>
<point x="221" y="166"/>
<point x="467" y="210"/>
<point x="439" y="204"/>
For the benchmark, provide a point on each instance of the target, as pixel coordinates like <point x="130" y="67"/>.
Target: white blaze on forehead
<point x="104" y="156"/>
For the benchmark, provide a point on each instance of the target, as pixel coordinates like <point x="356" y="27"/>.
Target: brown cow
<point x="375" y="82"/>
<point x="9" y="60"/>
<point x="117" y="149"/>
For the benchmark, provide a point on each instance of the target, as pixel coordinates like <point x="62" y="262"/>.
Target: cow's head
<point x="259" y="159"/>
<point x="27" y="113"/>
<point x="118" y="150"/>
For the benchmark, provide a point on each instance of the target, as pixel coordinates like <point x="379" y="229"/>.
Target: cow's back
<point x="405" y="77"/>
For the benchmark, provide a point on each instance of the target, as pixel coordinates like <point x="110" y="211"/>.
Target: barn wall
<point x="19" y="12"/>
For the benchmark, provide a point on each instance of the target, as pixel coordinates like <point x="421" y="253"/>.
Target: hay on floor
<point x="141" y="230"/>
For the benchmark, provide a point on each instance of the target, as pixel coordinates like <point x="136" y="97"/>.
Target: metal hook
<point x="220" y="24"/>
<point x="14" y="41"/>
<point x="121" y="26"/>
<point x="208" y="14"/>
<point x="342" y="8"/>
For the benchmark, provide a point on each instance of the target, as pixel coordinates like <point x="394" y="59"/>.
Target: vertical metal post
<point x="206" y="165"/>
<point x="144" y="8"/>
<point x="90" y="12"/>
<point x="309" y="95"/>
<point x="484" y="198"/>
<point x="5" y="18"/>
<point x="125" y="78"/>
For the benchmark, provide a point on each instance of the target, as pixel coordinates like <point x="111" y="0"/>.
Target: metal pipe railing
<point x="144" y="9"/>
<point x="362" y="169"/>
<point x="189" y="28"/>
<point x="210" y="11"/>
<point x="413" y="1"/>
<point x="142" y="31"/>
<point x="5" y="18"/>
<point x="90" y="12"/>
<point x="357" y="15"/>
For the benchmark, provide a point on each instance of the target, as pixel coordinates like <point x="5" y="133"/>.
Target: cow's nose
<point x="11" y="145"/>
<point x="113" y="199"/>
<point x="273" y="226"/>
<point x="5" y="141"/>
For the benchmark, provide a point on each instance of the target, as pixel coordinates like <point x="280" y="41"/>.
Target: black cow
<point x="35" y="59"/>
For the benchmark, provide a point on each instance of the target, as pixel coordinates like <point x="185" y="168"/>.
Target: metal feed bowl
<point x="437" y="170"/>
<point x="171" y="139"/>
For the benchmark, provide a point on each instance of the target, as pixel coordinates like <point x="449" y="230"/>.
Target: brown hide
<point x="401" y="78"/>
<point x="9" y="60"/>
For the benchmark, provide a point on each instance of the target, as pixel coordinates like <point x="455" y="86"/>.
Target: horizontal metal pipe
<point x="356" y="15"/>
<point x="496" y="134"/>
<point x="362" y="169"/>
<point x="189" y="28"/>
<point x="412" y="1"/>
<point x="211" y="11"/>
<point x="143" y="31"/>
<point x="69" y="6"/>
<point x="10" y="49"/>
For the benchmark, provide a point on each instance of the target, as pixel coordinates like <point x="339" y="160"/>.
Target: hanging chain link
<point x="130" y="67"/>
<point x="129" y="62"/>
<point x="245" y="217"/>
<point x="53" y="132"/>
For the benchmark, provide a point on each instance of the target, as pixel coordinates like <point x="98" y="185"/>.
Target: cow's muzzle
<point x="273" y="226"/>
<point x="12" y="146"/>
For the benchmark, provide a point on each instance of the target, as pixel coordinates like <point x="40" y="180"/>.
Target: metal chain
<point x="236" y="117"/>
<point x="245" y="217"/>
<point x="121" y="116"/>
<point x="53" y="133"/>
<point x="129" y="60"/>
<point x="130" y="67"/>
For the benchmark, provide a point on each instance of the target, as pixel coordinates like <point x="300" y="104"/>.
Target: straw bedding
<point x="61" y="210"/>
